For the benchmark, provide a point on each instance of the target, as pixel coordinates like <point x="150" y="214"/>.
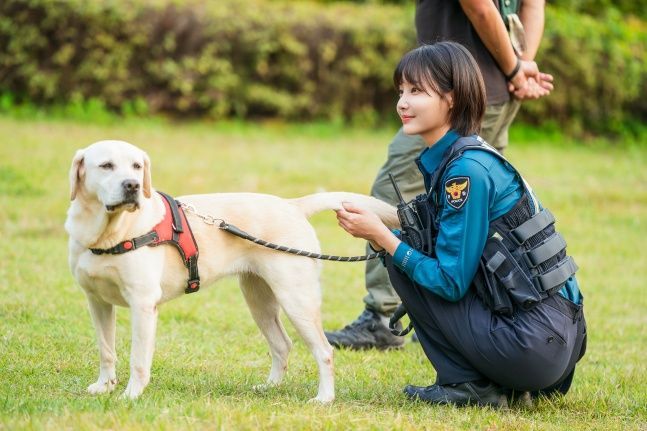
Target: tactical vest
<point x="524" y="260"/>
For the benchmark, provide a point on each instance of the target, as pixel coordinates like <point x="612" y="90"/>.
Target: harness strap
<point x="194" y="278"/>
<point x="183" y="240"/>
<point x="175" y="212"/>
<point x="532" y="226"/>
<point x="128" y="245"/>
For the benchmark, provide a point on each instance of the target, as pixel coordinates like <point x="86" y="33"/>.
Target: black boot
<point x="368" y="331"/>
<point x="461" y="394"/>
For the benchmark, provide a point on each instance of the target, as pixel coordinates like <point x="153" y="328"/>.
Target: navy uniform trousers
<point x="534" y="350"/>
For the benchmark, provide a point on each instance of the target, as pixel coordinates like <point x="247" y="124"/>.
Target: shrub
<point x="600" y="68"/>
<point x="229" y="58"/>
<point x="293" y="60"/>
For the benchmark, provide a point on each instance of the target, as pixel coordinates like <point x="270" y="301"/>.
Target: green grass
<point x="209" y="352"/>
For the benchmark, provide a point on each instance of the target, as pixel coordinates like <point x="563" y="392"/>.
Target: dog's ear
<point x="147" y="176"/>
<point x="77" y="171"/>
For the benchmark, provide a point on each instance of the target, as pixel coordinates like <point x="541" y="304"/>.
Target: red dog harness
<point x="170" y="230"/>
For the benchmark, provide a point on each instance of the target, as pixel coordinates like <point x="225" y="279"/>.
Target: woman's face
<point x="423" y="112"/>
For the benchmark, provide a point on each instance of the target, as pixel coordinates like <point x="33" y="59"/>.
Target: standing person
<point x="479" y="26"/>
<point x="492" y="293"/>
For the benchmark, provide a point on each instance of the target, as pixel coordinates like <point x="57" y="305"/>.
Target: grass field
<point x="209" y="352"/>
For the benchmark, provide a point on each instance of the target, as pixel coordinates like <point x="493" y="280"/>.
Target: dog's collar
<point x="169" y="230"/>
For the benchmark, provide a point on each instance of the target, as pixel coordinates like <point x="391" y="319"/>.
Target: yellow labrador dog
<point x="113" y="200"/>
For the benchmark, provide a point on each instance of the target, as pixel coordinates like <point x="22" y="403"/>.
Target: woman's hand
<point x="367" y="225"/>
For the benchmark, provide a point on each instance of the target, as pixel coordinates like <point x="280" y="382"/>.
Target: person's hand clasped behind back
<point x="529" y="83"/>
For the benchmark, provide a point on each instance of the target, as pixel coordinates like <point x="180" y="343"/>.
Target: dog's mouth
<point x="129" y="206"/>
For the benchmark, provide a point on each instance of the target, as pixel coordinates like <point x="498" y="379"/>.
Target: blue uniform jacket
<point x="494" y="189"/>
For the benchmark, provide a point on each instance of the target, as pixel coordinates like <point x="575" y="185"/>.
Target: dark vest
<point x="524" y="260"/>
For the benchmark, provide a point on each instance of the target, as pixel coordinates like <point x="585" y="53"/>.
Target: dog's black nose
<point x="130" y="186"/>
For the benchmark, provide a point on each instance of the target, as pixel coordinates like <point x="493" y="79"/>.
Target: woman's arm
<point x="531" y="14"/>
<point x="527" y="82"/>
<point x="459" y="244"/>
<point x="487" y="22"/>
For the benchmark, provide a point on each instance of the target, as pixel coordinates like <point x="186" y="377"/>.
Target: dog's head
<point x="115" y="173"/>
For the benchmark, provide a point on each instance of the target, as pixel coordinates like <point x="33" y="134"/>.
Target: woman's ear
<point x="449" y="97"/>
<point x="77" y="172"/>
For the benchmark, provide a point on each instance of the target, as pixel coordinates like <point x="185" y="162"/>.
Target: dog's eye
<point x="107" y="166"/>
<point x="137" y="166"/>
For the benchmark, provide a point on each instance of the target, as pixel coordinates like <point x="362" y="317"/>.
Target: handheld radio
<point x="412" y="226"/>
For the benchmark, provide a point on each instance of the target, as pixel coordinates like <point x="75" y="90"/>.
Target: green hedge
<point x="588" y="7"/>
<point x="296" y="60"/>
<point x="601" y="8"/>
<point x="229" y="58"/>
<point x="600" y="69"/>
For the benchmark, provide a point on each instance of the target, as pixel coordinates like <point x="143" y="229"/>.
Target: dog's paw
<point x="322" y="399"/>
<point x="263" y="387"/>
<point x="102" y="386"/>
<point x="133" y="390"/>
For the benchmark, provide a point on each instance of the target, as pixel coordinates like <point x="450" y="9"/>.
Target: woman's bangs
<point x="414" y="70"/>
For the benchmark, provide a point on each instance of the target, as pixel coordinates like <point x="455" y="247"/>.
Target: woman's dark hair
<point x="444" y="67"/>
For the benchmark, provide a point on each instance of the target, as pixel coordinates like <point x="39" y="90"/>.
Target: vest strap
<point x="557" y="276"/>
<point x="544" y="251"/>
<point x="495" y="261"/>
<point x="532" y="226"/>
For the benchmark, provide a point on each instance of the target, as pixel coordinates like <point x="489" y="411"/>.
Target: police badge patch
<point x="457" y="189"/>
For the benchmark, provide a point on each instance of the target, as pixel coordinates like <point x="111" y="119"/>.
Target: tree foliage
<point x="296" y="60"/>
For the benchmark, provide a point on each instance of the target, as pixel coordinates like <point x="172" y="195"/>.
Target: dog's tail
<point x="317" y="202"/>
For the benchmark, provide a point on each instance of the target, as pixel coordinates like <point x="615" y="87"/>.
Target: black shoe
<point x="461" y="394"/>
<point x="368" y="331"/>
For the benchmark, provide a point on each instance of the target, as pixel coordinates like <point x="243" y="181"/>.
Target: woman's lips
<point x="406" y="118"/>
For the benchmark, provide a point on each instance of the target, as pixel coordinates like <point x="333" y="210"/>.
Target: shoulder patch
<point x="457" y="190"/>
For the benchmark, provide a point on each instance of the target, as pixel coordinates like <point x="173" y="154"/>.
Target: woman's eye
<point x="414" y="90"/>
<point x="107" y="166"/>
<point x="137" y="166"/>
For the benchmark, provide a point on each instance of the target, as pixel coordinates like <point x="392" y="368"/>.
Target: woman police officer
<point x="492" y="297"/>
